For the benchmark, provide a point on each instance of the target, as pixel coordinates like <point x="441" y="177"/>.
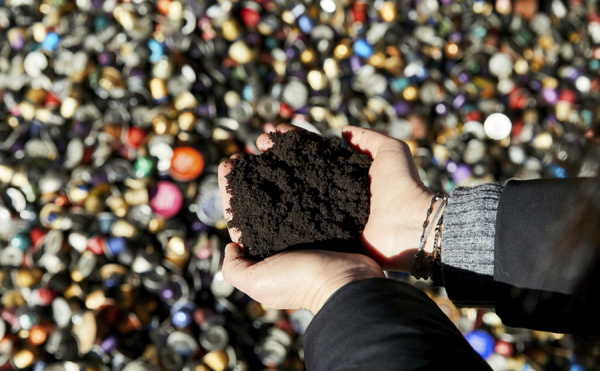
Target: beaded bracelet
<point x="417" y="269"/>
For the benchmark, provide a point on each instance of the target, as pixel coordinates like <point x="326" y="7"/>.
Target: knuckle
<point x="400" y="145"/>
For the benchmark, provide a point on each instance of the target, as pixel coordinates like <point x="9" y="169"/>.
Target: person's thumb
<point x="235" y="267"/>
<point x="369" y="142"/>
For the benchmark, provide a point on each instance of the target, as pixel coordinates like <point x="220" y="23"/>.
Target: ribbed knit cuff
<point x="468" y="245"/>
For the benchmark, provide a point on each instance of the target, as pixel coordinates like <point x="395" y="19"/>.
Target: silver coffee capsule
<point x="213" y="337"/>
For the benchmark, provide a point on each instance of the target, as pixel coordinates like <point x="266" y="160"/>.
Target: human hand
<point x="399" y="200"/>
<point x="302" y="279"/>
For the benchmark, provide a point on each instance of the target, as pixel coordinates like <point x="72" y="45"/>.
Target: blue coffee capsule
<point x="100" y="23"/>
<point x="21" y="241"/>
<point x="182" y="314"/>
<point x="362" y="48"/>
<point x="182" y="318"/>
<point x="50" y="42"/>
<point x="482" y="342"/>
<point x="556" y="171"/>
<point x="116" y="245"/>
<point x="305" y="24"/>
<point x="39" y="365"/>
<point x="112" y="281"/>
<point x="156" y="49"/>
<point x="271" y="43"/>
<point x="105" y="221"/>
<point x="35" y="129"/>
<point x="399" y="84"/>
<point x="248" y="93"/>
<point x="298" y="10"/>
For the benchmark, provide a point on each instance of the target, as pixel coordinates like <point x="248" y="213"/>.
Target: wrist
<point x="326" y="291"/>
<point x="421" y="266"/>
<point x="419" y="216"/>
<point x="432" y="220"/>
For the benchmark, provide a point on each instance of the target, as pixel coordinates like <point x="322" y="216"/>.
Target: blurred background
<point x="114" y="116"/>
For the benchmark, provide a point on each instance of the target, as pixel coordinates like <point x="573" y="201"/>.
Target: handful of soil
<point x="305" y="192"/>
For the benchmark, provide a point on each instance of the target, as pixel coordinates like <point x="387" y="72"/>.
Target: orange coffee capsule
<point x="186" y="164"/>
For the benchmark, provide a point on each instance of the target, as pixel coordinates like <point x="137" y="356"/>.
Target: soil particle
<point x="305" y="192"/>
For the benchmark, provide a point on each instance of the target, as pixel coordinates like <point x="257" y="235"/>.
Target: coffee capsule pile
<point x="114" y="116"/>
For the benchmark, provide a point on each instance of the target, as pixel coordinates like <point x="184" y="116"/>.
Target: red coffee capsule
<point x="503" y="348"/>
<point x="52" y="100"/>
<point x="42" y="296"/>
<point x="36" y="234"/>
<point x="285" y="111"/>
<point x="135" y="136"/>
<point x="250" y="16"/>
<point x="96" y="245"/>
<point x="567" y="96"/>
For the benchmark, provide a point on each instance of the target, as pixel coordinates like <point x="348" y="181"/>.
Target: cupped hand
<point x="399" y="199"/>
<point x="302" y="279"/>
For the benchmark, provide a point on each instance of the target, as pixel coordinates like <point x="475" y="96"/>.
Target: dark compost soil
<point x="305" y="192"/>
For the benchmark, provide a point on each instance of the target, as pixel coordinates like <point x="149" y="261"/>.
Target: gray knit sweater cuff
<point x="468" y="245"/>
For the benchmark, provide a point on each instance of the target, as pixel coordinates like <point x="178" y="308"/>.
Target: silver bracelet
<point x="417" y="270"/>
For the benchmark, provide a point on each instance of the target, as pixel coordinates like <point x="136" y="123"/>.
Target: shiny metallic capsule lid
<point x="295" y="94"/>
<point x="300" y="319"/>
<point x="155" y="279"/>
<point x="61" y="312"/>
<point x="267" y="107"/>
<point x="497" y="126"/>
<point x="220" y="287"/>
<point x="208" y="203"/>
<point x="271" y="353"/>
<point x="241" y="112"/>
<point x="182" y="343"/>
<point x="140" y="365"/>
<point x="500" y="65"/>
<point x="84" y="266"/>
<point x="475" y="151"/>
<point x="214" y="337"/>
<point x="11" y="256"/>
<point x="118" y="170"/>
<point x="400" y="129"/>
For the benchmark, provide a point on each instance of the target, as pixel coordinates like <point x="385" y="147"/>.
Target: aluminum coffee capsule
<point x="214" y="337"/>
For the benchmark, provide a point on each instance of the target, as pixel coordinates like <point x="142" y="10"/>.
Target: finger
<point x="282" y="128"/>
<point x="264" y="142"/>
<point x="368" y="141"/>
<point x="224" y="169"/>
<point x="235" y="268"/>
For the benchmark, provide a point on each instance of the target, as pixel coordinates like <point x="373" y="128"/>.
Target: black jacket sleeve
<point x="382" y="324"/>
<point x="539" y="283"/>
